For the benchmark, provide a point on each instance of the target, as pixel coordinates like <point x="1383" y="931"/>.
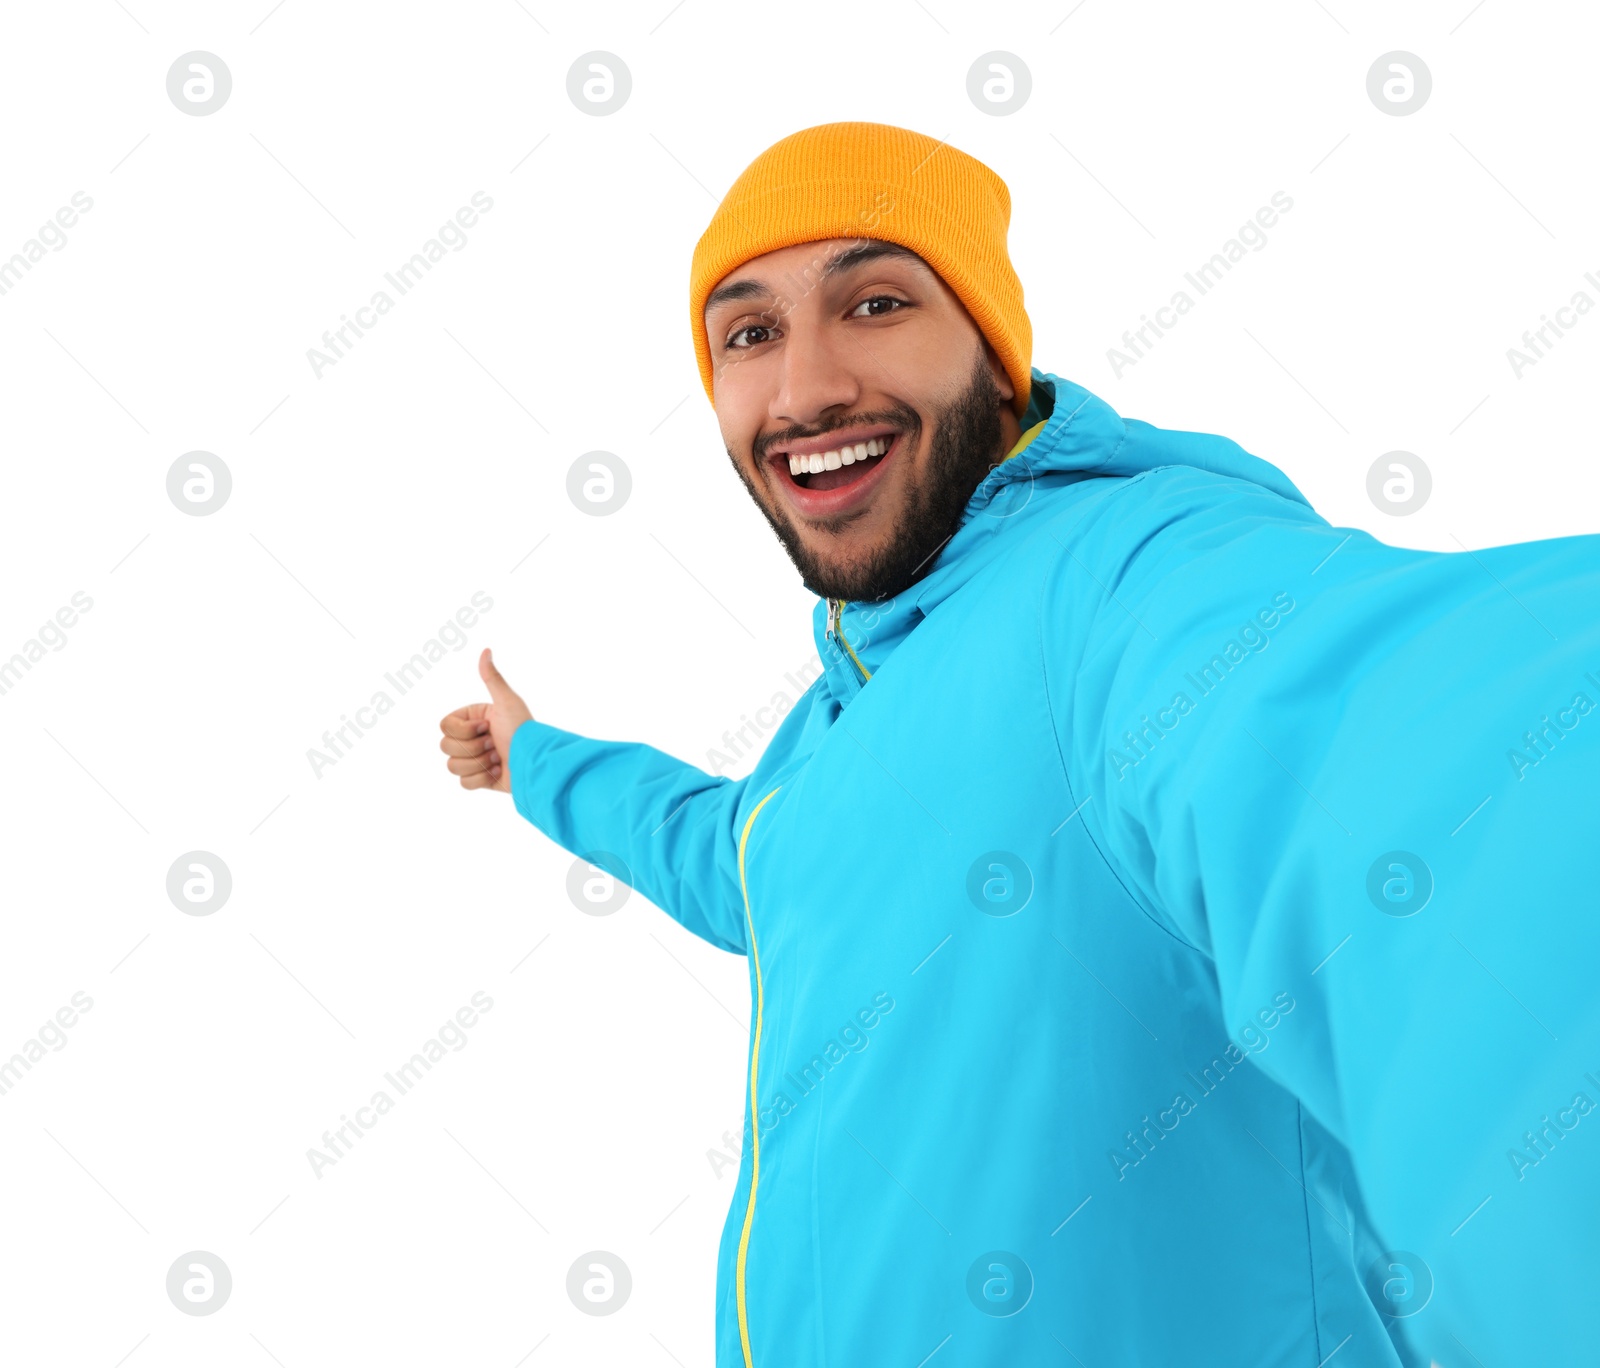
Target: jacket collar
<point x="1069" y="435"/>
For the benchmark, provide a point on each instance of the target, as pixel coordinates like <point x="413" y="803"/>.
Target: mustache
<point x="903" y="418"/>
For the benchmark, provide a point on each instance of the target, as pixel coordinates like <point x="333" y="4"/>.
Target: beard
<point x="965" y="447"/>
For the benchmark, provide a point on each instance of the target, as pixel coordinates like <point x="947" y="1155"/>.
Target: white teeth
<point x="832" y="460"/>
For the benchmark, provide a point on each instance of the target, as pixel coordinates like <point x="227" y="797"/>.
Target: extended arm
<point x="1370" y="777"/>
<point x="671" y="824"/>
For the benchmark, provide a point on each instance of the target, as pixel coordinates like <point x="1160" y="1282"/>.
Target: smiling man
<point x="857" y="522"/>
<point x="1170" y="919"/>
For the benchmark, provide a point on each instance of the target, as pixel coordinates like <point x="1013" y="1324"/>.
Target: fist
<point x="477" y="738"/>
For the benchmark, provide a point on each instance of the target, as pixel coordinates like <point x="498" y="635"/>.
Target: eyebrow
<point x="750" y="288"/>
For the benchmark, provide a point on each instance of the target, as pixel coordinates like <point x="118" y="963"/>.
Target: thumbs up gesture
<point x="477" y="738"/>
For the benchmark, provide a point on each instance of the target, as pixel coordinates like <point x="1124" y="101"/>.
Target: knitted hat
<point x="872" y="180"/>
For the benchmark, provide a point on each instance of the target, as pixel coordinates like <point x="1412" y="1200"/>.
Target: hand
<point x="477" y="738"/>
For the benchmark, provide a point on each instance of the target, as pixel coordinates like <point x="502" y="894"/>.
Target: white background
<point x="369" y="504"/>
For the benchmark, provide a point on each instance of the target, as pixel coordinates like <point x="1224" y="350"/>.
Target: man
<point x="1172" y="920"/>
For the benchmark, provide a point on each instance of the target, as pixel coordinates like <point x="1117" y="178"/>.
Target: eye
<point x="879" y="313"/>
<point x="733" y="343"/>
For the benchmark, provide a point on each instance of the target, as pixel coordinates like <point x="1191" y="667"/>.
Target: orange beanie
<point x="871" y="180"/>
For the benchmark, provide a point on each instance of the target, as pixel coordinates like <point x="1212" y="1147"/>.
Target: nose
<point x="818" y="374"/>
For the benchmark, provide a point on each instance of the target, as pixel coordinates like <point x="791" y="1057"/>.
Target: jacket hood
<point x="1081" y="437"/>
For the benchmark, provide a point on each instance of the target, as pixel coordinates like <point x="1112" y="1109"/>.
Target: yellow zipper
<point x="836" y="629"/>
<point x="755" y="1131"/>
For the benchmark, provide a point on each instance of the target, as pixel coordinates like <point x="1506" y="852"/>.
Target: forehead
<point x="804" y="264"/>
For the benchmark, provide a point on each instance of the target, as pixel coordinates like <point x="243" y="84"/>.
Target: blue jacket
<point x="1173" y="929"/>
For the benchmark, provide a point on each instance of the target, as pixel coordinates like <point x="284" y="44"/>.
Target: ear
<point x="1002" y="378"/>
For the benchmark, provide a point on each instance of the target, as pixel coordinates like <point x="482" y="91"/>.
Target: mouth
<point x="832" y="481"/>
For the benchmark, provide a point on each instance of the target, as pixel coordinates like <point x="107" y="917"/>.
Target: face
<point x="860" y="405"/>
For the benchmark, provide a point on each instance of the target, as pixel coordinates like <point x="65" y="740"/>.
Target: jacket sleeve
<point x="669" y="824"/>
<point x="1369" y="778"/>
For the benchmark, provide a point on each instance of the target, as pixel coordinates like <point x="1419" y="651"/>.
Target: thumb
<point x="499" y="690"/>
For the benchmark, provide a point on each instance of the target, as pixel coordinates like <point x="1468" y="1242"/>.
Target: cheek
<point x="738" y="439"/>
<point x="735" y="395"/>
<point x="741" y="411"/>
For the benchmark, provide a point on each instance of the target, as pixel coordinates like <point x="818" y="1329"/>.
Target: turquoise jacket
<point x="1173" y="928"/>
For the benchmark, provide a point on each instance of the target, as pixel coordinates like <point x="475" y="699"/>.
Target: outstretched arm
<point x="1370" y="777"/>
<point x="668" y="823"/>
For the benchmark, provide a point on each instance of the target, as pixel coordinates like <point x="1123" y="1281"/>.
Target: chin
<point x="853" y="576"/>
